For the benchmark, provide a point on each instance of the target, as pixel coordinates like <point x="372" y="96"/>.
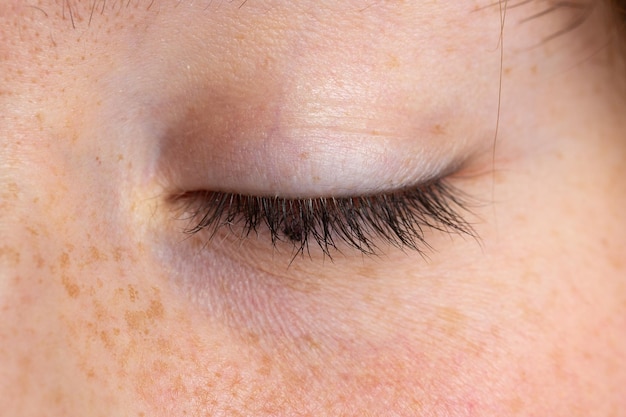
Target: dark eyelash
<point x="396" y="218"/>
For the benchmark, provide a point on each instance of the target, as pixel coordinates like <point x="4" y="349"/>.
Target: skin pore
<point x="108" y="110"/>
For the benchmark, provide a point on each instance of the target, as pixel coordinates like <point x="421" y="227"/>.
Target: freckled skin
<point x="107" y="308"/>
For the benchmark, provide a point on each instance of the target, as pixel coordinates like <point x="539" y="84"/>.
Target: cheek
<point x="95" y="318"/>
<point x="169" y="358"/>
<point x="94" y="324"/>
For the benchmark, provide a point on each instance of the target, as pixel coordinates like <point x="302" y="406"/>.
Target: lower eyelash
<point x="396" y="218"/>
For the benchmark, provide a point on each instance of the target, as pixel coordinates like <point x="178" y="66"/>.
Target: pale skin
<point x="106" y="308"/>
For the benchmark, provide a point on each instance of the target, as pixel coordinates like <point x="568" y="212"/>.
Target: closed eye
<point x="398" y="218"/>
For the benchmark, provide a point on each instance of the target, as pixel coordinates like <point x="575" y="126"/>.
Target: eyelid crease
<point x="397" y="218"/>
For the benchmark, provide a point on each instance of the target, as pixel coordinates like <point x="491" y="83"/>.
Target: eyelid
<point x="365" y="223"/>
<point x="301" y="154"/>
<point x="305" y="169"/>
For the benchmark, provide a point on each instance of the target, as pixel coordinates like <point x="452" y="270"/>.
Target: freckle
<point x="11" y="255"/>
<point x="100" y="312"/>
<point x="453" y="319"/>
<point x="164" y="347"/>
<point x="39" y="261"/>
<point x="310" y="342"/>
<point x="264" y="370"/>
<point x="58" y="396"/>
<point x="252" y="339"/>
<point x="516" y="405"/>
<point x="71" y="287"/>
<point x="117" y="254"/>
<point x="303" y="156"/>
<point x="119" y="294"/>
<point x="616" y="262"/>
<point x="64" y="260"/>
<point x="106" y="340"/>
<point x="393" y="62"/>
<point x="135" y="319"/>
<point x="156" y="310"/>
<point x="160" y="366"/>
<point x="179" y="387"/>
<point x="32" y="231"/>
<point x="92" y="291"/>
<point x="96" y="255"/>
<point x="438" y="130"/>
<point x="132" y="293"/>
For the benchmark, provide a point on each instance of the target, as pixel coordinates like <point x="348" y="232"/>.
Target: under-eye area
<point x="363" y="223"/>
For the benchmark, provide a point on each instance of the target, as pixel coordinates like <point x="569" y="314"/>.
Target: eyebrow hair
<point x="78" y="12"/>
<point x="82" y="13"/>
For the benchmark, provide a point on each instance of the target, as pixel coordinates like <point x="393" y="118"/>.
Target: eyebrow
<point x="82" y="13"/>
<point x="71" y="9"/>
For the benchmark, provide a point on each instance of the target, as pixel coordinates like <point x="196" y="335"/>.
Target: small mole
<point x="293" y="231"/>
<point x="438" y="130"/>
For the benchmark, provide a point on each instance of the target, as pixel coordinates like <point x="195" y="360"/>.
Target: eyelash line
<point x="397" y="218"/>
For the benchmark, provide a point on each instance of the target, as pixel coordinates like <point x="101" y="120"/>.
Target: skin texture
<point x="107" y="308"/>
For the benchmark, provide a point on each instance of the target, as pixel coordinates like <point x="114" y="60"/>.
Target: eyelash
<point x="396" y="218"/>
